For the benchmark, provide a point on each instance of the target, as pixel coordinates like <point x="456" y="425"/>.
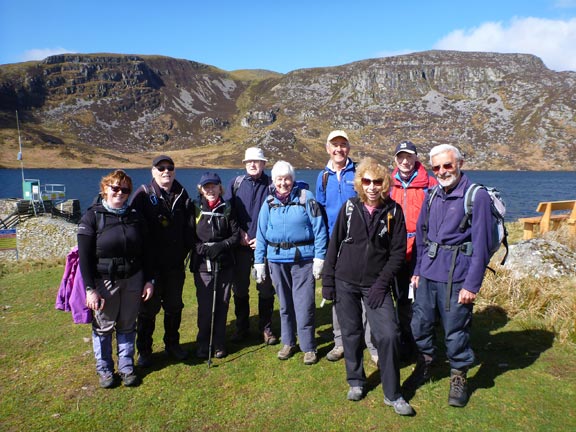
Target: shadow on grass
<point x="496" y="351"/>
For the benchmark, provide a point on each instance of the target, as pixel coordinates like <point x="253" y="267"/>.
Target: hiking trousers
<point x="295" y="286"/>
<point x="385" y="337"/>
<point x="429" y="302"/>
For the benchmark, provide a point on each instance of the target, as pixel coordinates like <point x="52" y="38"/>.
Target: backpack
<point x="497" y="209"/>
<point x="326" y="174"/>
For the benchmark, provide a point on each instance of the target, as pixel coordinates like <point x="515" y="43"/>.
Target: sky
<point x="287" y="35"/>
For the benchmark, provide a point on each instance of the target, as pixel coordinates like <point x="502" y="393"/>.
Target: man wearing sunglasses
<point x="410" y="185"/>
<point x="165" y="204"/>
<point x="450" y="264"/>
<point x="335" y="184"/>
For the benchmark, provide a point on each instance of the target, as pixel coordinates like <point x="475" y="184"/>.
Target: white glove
<point x="260" y="272"/>
<point x="317" y="267"/>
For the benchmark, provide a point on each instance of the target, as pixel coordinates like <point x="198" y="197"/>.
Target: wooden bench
<point x="549" y="221"/>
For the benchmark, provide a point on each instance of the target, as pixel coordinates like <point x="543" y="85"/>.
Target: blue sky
<point x="292" y="35"/>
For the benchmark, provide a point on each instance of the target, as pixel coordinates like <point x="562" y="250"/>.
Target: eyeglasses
<point x="447" y="166"/>
<point x="117" y="189"/>
<point x="165" y="167"/>
<point x="376" y="182"/>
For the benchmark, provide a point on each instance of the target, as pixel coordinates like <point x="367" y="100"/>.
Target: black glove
<point x="215" y="250"/>
<point x="376" y="296"/>
<point x="328" y="292"/>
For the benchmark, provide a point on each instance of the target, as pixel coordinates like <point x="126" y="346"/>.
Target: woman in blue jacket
<point x="292" y="238"/>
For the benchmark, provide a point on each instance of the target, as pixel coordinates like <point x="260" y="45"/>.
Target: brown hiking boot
<point x="421" y="374"/>
<point x="458" y="396"/>
<point x="269" y="338"/>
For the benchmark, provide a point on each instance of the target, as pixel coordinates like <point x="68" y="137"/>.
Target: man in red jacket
<point x="409" y="189"/>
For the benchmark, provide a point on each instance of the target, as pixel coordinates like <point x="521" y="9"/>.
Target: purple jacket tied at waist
<point x="446" y="213"/>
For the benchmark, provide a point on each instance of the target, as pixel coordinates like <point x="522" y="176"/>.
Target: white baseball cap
<point x="337" y="133"/>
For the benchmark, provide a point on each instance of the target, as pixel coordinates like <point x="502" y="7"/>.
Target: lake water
<point x="522" y="190"/>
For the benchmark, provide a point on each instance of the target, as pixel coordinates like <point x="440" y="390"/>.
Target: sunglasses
<point x="117" y="189"/>
<point x="447" y="166"/>
<point x="165" y="167"/>
<point x="367" y="182"/>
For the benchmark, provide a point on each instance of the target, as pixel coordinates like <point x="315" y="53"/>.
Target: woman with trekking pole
<point x="118" y="274"/>
<point x="291" y="238"/>
<point x="366" y="251"/>
<point x="217" y="234"/>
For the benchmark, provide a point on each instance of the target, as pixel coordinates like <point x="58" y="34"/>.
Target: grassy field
<point x="525" y="379"/>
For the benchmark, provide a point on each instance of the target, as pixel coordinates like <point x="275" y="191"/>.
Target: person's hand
<point x="415" y="280"/>
<point x="215" y="250"/>
<point x="94" y="301"/>
<point x="148" y="291"/>
<point x="260" y="272"/>
<point x="376" y="296"/>
<point x="252" y="244"/>
<point x="328" y="292"/>
<point x="466" y="297"/>
<point x="317" y="268"/>
<point x="244" y="238"/>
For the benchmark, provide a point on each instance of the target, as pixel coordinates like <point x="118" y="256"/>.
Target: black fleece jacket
<point x="373" y="251"/>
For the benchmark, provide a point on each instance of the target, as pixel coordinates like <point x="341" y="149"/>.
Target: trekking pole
<point x="215" y="268"/>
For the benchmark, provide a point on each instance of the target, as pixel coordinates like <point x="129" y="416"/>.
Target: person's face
<point x="372" y="187"/>
<point x="446" y="169"/>
<point x="338" y="149"/>
<point x="163" y="174"/>
<point x="405" y="162"/>
<point x="283" y="184"/>
<point x="117" y="194"/>
<point x="254" y="168"/>
<point x="211" y="191"/>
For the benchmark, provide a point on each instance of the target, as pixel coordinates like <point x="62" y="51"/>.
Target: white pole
<point x="20" y="152"/>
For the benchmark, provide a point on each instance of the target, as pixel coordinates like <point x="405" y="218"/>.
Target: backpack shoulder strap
<point x="469" y="198"/>
<point x="237" y="182"/>
<point x="325" y="175"/>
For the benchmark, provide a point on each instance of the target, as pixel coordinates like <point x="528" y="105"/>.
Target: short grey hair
<point x="283" y="169"/>
<point x="443" y="148"/>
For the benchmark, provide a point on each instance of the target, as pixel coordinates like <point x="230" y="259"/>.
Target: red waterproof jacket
<point x="411" y="195"/>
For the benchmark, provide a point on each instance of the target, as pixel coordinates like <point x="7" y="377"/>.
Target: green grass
<point x="525" y="379"/>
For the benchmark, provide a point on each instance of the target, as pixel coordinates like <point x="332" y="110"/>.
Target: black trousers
<point x="385" y="337"/>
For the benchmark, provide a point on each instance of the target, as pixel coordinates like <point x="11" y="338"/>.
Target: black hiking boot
<point x="421" y="374"/>
<point x="458" y="396"/>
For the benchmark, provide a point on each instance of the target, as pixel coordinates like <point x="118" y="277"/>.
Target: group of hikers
<point x="389" y="248"/>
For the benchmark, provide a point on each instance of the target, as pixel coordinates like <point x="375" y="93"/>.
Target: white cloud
<point x="42" y="53"/>
<point x="554" y="41"/>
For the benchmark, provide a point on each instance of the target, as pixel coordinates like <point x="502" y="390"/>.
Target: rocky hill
<point x="506" y="111"/>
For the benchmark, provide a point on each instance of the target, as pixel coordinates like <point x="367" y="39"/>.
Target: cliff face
<point x="506" y="111"/>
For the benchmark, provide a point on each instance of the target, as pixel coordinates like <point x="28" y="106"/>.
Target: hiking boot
<point x="129" y="379"/>
<point x="310" y="358"/>
<point x="202" y="352"/>
<point x="269" y="338"/>
<point x="458" y="396"/>
<point x="401" y="407"/>
<point x="421" y="374"/>
<point x="176" y="352"/>
<point x="336" y="354"/>
<point x="286" y="352"/>
<point x="220" y="353"/>
<point x="106" y="380"/>
<point x="144" y="360"/>
<point x="240" y="336"/>
<point x="355" y="393"/>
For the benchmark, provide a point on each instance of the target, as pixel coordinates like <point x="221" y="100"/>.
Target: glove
<point x="260" y="272"/>
<point x="376" y="296"/>
<point x="329" y="292"/>
<point x="215" y="250"/>
<point x="317" y="267"/>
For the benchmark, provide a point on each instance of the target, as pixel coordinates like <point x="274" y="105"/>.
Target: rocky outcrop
<point x="505" y="111"/>
<point x="540" y="258"/>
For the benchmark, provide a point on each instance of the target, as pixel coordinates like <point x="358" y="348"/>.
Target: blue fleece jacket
<point x="300" y="228"/>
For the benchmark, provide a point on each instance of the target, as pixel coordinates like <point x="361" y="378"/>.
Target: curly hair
<point x="376" y="170"/>
<point x="115" y="177"/>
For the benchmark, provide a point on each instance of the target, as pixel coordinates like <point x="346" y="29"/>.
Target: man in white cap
<point x="247" y="193"/>
<point x="335" y="184"/>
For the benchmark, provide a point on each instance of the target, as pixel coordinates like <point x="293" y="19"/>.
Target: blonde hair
<point x="376" y="169"/>
<point x="115" y="177"/>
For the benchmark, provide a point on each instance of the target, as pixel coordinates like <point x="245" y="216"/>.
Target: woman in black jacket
<point x="217" y="234"/>
<point x="117" y="271"/>
<point x="366" y="250"/>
